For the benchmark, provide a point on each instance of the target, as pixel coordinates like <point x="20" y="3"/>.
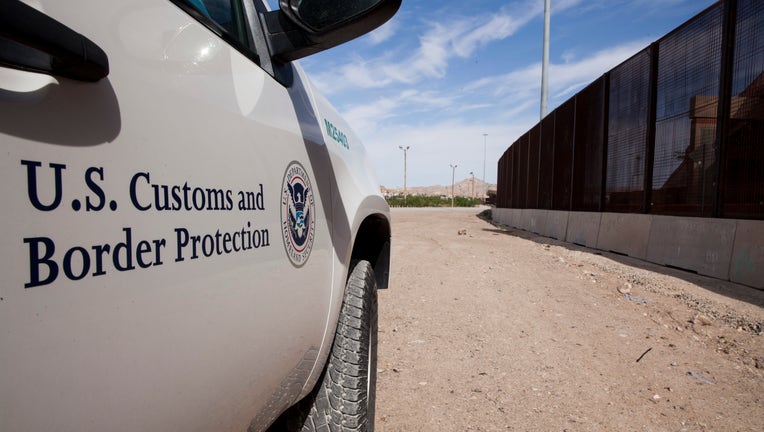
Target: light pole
<point x="485" y="139"/>
<point x="405" y="194"/>
<point x="545" y="59"/>
<point x="472" y="189"/>
<point x="453" y="173"/>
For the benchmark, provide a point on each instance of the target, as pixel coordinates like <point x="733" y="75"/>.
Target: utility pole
<point x="485" y="138"/>
<point x="545" y="59"/>
<point x="453" y="173"/>
<point x="405" y="193"/>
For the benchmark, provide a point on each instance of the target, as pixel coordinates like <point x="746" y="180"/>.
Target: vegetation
<point x="486" y="215"/>
<point x="431" y="201"/>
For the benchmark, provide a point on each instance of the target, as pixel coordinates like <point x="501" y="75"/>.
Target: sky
<point x="441" y="74"/>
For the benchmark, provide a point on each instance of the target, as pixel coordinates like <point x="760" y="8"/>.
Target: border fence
<point x="677" y="129"/>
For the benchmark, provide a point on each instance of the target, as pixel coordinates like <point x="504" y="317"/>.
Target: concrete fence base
<point x="727" y="249"/>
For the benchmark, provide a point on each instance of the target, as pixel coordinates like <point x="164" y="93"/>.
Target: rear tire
<point x="343" y="400"/>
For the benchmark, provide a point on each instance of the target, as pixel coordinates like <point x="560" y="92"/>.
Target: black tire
<point x="343" y="400"/>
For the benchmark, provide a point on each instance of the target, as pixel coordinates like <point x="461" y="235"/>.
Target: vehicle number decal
<point x="336" y="134"/>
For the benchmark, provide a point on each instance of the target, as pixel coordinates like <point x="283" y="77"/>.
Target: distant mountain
<point x="465" y="188"/>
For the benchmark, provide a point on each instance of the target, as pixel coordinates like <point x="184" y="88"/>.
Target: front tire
<point x="343" y="400"/>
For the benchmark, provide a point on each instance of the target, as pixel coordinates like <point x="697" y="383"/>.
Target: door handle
<point x="33" y="41"/>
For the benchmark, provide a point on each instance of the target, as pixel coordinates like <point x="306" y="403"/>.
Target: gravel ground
<point x="486" y="328"/>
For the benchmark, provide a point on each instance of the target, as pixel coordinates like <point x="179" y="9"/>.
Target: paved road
<point x="487" y="329"/>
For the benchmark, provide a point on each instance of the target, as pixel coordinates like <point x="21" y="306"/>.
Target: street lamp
<point x="485" y="138"/>
<point x="405" y="194"/>
<point x="545" y="59"/>
<point x="453" y="172"/>
<point x="472" y="189"/>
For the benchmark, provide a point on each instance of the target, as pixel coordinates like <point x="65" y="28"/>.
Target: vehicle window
<point x="228" y="14"/>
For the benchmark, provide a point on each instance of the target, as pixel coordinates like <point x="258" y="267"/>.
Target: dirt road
<point x="489" y="329"/>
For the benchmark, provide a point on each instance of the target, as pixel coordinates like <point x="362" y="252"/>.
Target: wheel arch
<point x="372" y="244"/>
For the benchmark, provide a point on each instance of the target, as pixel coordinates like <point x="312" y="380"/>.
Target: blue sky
<point x="441" y="74"/>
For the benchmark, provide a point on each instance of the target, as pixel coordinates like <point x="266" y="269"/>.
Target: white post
<point x="545" y="59"/>
<point x="472" y="188"/>
<point x="483" y="189"/>
<point x="453" y="173"/>
<point x="405" y="193"/>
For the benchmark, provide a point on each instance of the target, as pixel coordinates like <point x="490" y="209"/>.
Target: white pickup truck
<point x="192" y="237"/>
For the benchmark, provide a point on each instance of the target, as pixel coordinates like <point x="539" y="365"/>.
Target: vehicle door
<point x="166" y="250"/>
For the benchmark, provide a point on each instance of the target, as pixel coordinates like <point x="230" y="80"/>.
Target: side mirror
<point x="304" y="27"/>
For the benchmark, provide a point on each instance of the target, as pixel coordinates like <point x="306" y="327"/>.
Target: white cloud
<point x="503" y="98"/>
<point x="570" y="90"/>
<point x="384" y="32"/>
<point x="560" y="5"/>
<point x="445" y="126"/>
<point x="431" y="59"/>
<point x="569" y="55"/>
<point x="479" y="33"/>
<point x="564" y="78"/>
<point x="657" y="4"/>
<point x="509" y="103"/>
<point x="433" y="147"/>
<point x="440" y="43"/>
<point x="365" y="118"/>
<point x="360" y="74"/>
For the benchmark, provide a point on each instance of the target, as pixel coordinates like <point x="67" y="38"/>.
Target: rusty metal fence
<point x="650" y="136"/>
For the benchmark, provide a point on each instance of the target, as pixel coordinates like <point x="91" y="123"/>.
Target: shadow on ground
<point x="728" y="289"/>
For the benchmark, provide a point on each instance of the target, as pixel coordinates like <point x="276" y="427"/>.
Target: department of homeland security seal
<point x="298" y="213"/>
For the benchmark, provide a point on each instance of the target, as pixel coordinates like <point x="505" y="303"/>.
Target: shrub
<point x="431" y="201"/>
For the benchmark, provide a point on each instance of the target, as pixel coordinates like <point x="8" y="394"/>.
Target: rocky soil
<point x="486" y="328"/>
